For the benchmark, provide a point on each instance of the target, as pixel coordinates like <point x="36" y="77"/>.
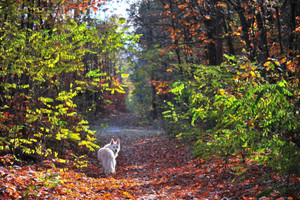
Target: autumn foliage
<point x="221" y="78"/>
<point x="57" y="69"/>
<point x="226" y="73"/>
<point x="154" y="167"/>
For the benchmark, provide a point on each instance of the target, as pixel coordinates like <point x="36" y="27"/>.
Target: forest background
<point x="222" y="73"/>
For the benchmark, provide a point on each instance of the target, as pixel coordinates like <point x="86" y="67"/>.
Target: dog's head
<point x="115" y="146"/>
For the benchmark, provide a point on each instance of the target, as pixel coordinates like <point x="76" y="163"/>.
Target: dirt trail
<point x="147" y="156"/>
<point x="150" y="165"/>
<point x="126" y="127"/>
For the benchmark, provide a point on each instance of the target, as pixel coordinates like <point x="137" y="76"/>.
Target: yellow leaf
<point x="127" y="194"/>
<point x="243" y="66"/>
<point x="267" y="63"/>
<point x="283" y="60"/>
<point x="222" y="92"/>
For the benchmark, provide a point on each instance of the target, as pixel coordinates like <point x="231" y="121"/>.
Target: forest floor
<point x="150" y="165"/>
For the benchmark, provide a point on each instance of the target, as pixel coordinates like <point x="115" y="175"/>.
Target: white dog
<point x="107" y="156"/>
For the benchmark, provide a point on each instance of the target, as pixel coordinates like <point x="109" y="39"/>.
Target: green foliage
<point x="37" y="109"/>
<point x="239" y="113"/>
<point x="43" y="75"/>
<point x="195" y="96"/>
<point x="142" y="91"/>
<point x="149" y="75"/>
<point x="103" y="92"/>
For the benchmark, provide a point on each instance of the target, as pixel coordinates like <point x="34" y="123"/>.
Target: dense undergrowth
<point x="231" y="110"/>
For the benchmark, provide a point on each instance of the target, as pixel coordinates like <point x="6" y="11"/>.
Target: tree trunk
<point x="263" y="44"/>
<point x="279" y="29"/>
<point x="245" y="26"/>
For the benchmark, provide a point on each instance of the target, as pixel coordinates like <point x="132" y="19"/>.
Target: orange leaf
<point x="207" y="16"/>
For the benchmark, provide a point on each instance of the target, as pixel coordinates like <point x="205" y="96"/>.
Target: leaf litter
<point x="150" y="165"/>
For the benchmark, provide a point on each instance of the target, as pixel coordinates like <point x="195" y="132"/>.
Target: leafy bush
<point x="55" y="69"/>
<point x="38" y="114"/>
<point x="238" y="112"/>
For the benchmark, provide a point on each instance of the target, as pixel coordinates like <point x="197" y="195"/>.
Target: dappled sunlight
<point x="153" y="168"/>
<point x="202" y="97"/>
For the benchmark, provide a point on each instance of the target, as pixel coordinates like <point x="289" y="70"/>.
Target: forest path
<point x="153" y="165"/>
<point x="148" y="158"/>
<point x="150" y="165"/>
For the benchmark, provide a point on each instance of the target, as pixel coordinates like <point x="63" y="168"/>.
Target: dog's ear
<point x="118" y="141"/>
<point x="112" y="141"/>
